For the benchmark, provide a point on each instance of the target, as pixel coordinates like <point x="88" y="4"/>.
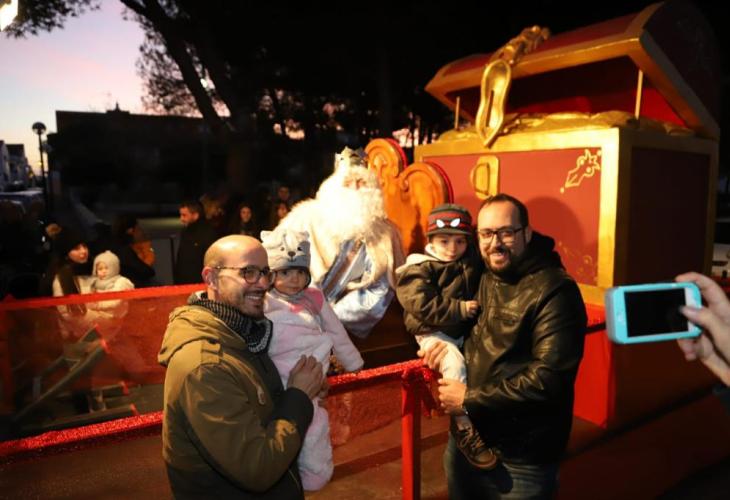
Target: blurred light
<point x="8" y="11"/>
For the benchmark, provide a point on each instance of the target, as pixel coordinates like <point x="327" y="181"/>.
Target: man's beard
<point x="349" y="213"/>
<point x="502" y="270"/>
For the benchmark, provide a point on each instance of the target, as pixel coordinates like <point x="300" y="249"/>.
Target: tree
<point x="332" y="71"/>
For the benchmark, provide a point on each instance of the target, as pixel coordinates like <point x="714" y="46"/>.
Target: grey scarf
<point x="256" y="332"/>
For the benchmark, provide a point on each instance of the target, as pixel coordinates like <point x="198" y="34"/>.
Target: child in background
<point x="304" y="324"/>
<point x="436" y="291"/>
<point x="106" y="278"/>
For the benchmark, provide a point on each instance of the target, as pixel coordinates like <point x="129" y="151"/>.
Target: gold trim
<point x="494" y="89"/>
<point x="593" y="295"/>
<point x="616" y="145"/>
<point x="668" y="80"/>
<point x="586" y="166"/>
<point x="639" y="94"/>
<point x="490" y="163"/>
<point x="384" y="157"/>
<point x="633" y="43"/>
<point x="586" y="270"/>
<point x="637" y="25"/>
<point x="456" y="113"/>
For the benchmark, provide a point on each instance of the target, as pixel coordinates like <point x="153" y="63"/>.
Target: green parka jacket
<point x="230" y="430"/>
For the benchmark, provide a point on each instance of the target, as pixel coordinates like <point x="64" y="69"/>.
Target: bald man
<point x="230" y="428"/>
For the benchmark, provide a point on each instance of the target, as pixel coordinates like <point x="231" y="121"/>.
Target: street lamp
<point x="40" y="129"/>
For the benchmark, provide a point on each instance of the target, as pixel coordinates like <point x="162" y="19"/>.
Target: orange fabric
<point x="144" y="251"/>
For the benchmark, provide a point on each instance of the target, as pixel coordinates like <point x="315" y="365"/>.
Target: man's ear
<point x="210" y="277"/>
<point x="528" y="234"/>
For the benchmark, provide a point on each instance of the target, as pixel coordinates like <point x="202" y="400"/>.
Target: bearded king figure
<point x="355" y="248"/>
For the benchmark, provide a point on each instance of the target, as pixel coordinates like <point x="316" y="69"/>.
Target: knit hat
<point x="111" y="261"/>
<point x="286" y="248"/>
<point x="67" y="240"/>
<point x="449" y="219"/>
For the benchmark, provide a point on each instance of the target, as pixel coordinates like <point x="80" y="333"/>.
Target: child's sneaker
<point x="471" y="445"/>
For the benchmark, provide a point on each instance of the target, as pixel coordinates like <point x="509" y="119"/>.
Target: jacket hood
<point x="540" y="254"/>
<point x="193" y="323"/>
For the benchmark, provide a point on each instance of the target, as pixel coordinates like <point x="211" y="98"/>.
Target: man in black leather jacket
<point x="522" y="358"/>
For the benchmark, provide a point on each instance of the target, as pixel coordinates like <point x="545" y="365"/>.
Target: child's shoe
<point x="471" y="445"/>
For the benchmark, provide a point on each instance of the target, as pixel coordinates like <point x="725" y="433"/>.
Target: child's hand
<point x="472" y="308"/>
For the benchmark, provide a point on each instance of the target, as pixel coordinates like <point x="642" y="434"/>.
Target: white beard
<point x="349" y="213"/>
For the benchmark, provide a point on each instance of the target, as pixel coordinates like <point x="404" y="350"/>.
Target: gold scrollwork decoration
<point x="582" y="267"/>
<point x="385" y="157"/>
<point x="484" y="176"/>
<point x="586" y="166"/>
<point x="497" y="79"/>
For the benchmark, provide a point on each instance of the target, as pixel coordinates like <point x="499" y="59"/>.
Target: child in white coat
<point x="108" y="314"/>
<point x="304" y="324"/>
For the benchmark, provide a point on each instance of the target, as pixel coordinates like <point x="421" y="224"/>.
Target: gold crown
<point x="349" y="158"/>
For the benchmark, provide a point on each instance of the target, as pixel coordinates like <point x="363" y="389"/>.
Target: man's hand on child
<point x="307" y="376"/>
<point x="451" y="395"/>
<point x="433" y="356"/>
<point x="472" y="308"/>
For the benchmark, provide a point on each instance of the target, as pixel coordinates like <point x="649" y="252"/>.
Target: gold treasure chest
<point x="609" y="134"/>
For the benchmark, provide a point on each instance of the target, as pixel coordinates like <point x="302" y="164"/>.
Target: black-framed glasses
<point x="250" y="274"/>
<point x="505" y="234"/>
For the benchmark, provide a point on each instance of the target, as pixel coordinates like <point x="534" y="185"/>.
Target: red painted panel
<point x="563" y="198"/>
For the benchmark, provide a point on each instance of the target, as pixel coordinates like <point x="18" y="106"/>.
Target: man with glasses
<point x="230" y="428"/>
<point x="522" y="358"/>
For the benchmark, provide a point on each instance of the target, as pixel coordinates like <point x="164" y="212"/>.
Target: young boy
<point x="304" y="324"/>
<point x="436" y="290"/>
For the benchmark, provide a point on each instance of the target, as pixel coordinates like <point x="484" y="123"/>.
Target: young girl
<point x="304" y="324"/>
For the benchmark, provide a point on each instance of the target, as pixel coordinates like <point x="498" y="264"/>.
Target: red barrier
<point x="414" y="380"/>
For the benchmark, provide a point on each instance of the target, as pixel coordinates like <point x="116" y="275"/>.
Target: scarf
<point x="256" y="332"/>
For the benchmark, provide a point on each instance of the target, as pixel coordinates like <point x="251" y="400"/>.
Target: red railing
<point x="415" y="394"/>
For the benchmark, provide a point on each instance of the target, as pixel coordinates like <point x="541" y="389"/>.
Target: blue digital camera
<point x="650" y="312"/>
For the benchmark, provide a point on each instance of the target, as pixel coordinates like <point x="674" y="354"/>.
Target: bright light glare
<point x="8" y="13"/>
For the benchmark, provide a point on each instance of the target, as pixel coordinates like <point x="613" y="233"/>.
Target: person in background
<point x="245" y="223"/>
<point x="71" y="270"/>
<point x="134" y="250"/>
<point x="230" y="428"/>
<point x="215" y="213"/>
<point x="195" y="238"/>
<point x="278" y="212"/>
<point x="712" y="348"/>
<point x="71" y="274"/>
<point x="109" y="313"/>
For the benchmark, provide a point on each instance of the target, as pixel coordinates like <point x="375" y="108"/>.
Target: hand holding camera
<point x="651" y="312"/>
<point x="713" y="346"/>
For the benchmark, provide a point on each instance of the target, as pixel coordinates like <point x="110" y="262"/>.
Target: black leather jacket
<point x="433" y="293"/>
<point x="523" y="355"/>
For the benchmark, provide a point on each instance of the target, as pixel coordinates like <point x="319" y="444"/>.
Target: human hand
<point x="433" y="356"/>
<point x="713" y="346"/>
<point x="307" y="376"/>
<point x="472" y="308"/>
<point x="451" y="395"/>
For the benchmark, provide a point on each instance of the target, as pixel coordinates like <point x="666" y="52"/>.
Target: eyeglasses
<point x="250" y="274"/>
<point x="505" y="234"/>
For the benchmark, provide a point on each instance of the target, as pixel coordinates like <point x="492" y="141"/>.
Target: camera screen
<point x="651" y="313"/>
